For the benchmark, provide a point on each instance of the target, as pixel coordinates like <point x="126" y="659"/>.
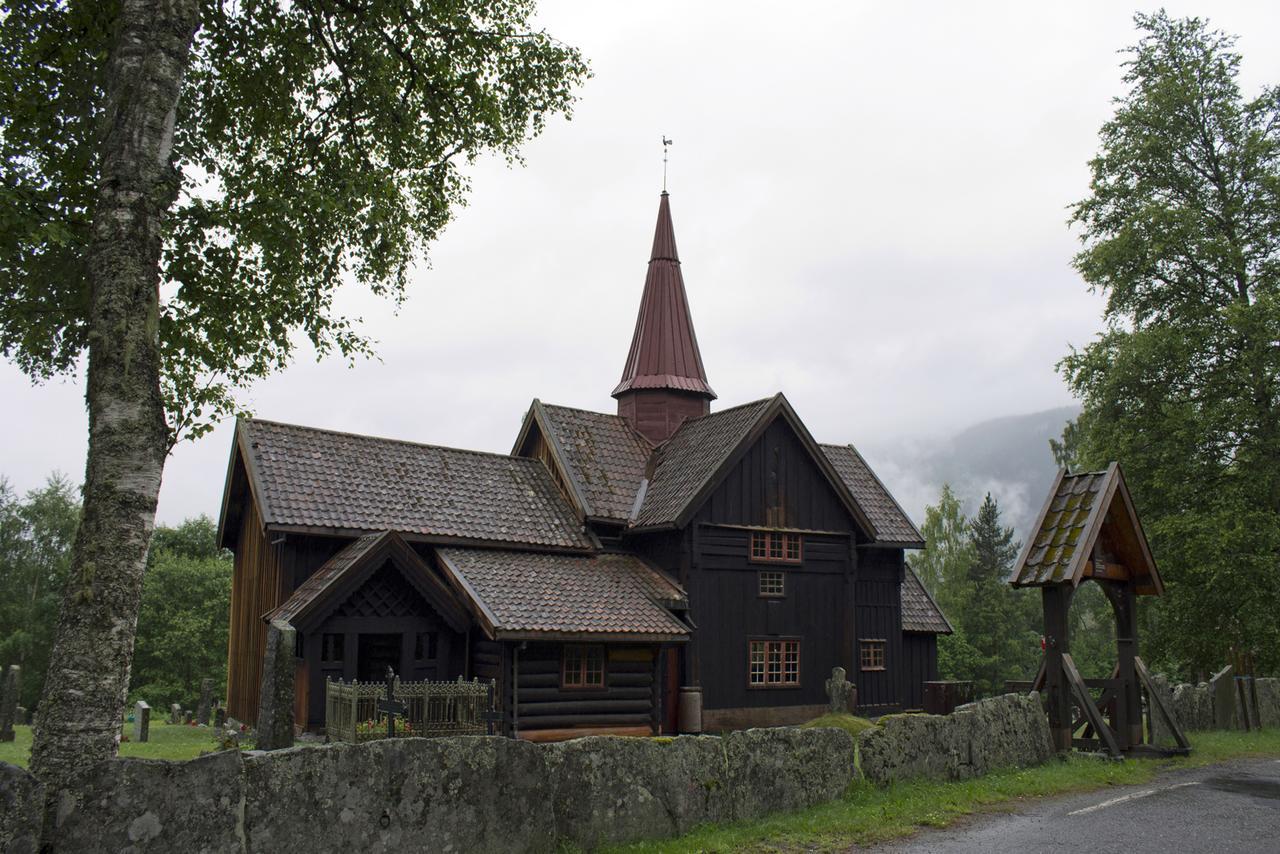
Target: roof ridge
<point x="726" y="411"/>
<point x="580" y="409"/>
<point x="389" y="440"/>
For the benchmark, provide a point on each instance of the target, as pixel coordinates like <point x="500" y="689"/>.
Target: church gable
<point x="776" y="483"/>
<point x="754" y="464"/>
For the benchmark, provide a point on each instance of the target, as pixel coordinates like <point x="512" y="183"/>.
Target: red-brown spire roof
<point x="664" y="350"/>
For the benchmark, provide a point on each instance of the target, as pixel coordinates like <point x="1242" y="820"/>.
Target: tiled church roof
<point x="606" y="456"/>
<point x="892" y="523"/>
<point x="919" y="612"/>
<point x="310" y="478"/>
<point x="606" y="594"/>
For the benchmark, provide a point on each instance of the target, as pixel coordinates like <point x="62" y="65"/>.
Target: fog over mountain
<point x="1007" y="456"/>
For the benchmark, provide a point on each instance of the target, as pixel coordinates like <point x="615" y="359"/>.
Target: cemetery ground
<point x="166" y="741"/>
<point x="869" y="814"/>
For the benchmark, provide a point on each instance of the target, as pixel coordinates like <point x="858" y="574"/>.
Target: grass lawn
<point x="868" y="814"/>
<point x="165" y="742"/>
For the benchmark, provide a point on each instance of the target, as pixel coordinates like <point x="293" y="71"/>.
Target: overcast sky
<point x="869" y="201"/>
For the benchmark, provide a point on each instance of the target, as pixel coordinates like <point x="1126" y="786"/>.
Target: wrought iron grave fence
<point x="354" y="711"/>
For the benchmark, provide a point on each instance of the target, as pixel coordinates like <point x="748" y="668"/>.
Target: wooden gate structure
<point x="1089" y="530"/>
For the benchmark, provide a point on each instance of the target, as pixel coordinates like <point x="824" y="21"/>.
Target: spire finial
<point x="665" y="144"/>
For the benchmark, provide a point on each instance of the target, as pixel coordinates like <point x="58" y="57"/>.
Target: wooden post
<point x="1124" y="602"/>
<point x="1057" y="604"/>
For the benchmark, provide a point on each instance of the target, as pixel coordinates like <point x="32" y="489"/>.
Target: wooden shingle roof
<point x="919" y="612"/>
<point x="688" y="460"/>
<point x="608" y="596"/>
<point x="323" y="481"/>
<point x="605" y="457"/>
<point x="1088" y="528"/>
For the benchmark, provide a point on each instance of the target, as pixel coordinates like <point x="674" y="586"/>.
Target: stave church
<point x="668" y="566"/>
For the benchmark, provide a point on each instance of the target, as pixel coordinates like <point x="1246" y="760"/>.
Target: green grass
<point x="165" y="742"/>
<point x="867" y="814"/>
<point x="847" y="722"/>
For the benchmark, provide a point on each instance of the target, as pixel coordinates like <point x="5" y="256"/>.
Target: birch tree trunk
<point x="82" y="706"/>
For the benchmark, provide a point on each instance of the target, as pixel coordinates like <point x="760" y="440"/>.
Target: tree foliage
<point x="184" y="619"/>
<point x="35" y="555"/>
<point x="317" y="142"/>
<point x="949" y="552"/>
<point x="1181" y="232"/>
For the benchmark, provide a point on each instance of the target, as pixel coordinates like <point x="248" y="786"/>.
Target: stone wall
<point x="497" y="794"/>
<point x="1004" y="731"/>
<point x="1193" y="705"/>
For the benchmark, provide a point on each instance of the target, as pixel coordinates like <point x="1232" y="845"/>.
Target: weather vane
<point x="665" y="143"/>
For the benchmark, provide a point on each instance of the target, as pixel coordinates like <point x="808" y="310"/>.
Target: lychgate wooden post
<point x="1057" y="605"/>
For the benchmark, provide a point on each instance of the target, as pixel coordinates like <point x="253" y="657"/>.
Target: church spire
<point x="664" y="381"/>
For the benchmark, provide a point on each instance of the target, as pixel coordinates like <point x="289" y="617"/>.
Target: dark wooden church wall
<point x="729" y="612"/>
<point x="258" y="585"/>
<point x="490" y="660"/>
<point x="627" y="700"/>
<point x="920" y="655"/>
<point x="777" y="485"/>
<point x="878" y="616"/>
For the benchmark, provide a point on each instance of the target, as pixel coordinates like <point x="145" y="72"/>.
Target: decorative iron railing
<point x="431" y="709"/>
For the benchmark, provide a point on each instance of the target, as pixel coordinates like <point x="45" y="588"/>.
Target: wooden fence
<point x="432" y="709"/>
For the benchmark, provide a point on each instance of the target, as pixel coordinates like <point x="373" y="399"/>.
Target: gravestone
<point x="21" y="716"/>
<point x="187" y="716"/>
<point x="219" y="716"/>
<point x="141" y="721"/>
<point x="9" y="701"/>
<point x="206" y="695"/>
<point x="275" y="706"/>
<point x="1223" y="688"/>
<point x="840" y="692"/>
<point x="175" y="714"/>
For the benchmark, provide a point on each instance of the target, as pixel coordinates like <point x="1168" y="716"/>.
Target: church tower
<point x="663" y="383"/>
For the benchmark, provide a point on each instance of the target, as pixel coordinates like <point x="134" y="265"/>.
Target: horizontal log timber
<point x="613" y="680"/>
<point x="550" y="721"/>
<point x="541" y="667"/>
<point x="581" y="708"/>
<point x="541" y="695"/>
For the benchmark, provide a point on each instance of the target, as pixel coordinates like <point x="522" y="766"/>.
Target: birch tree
<point x="185" y="185"/>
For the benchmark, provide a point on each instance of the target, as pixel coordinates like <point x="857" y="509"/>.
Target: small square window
<point x="772" y="583"/>
<point x="872" y="654"/>
<point x="582" y="667"/>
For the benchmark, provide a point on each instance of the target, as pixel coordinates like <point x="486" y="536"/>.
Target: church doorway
<point x="377" y="652"/>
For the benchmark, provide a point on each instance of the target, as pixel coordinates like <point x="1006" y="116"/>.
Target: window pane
<point x="775" y="546"/>
<point x="793" y="547"/>
<point x="757" y="663"/>
<point x="791" y="662"/>
<point x="771" y="583"/>
<point x="594" y="672"/>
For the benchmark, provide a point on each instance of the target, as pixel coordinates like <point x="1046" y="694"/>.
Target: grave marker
<point x="839" y="692"/>
<point x="275" y="704"/>
<point x="9" y="701"/>
<point x="141" y="721"/>
<point x="206" y="695"/>
<point x="175" y="714"/>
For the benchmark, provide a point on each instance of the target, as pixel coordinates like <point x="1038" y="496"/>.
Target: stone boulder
<point x="447" y="795"/>
<point x="611" y="790"/>
<point x="20" y="799"/>
<point x="1268" y="702"/>
<point x="787" y="768"/>
<point x="999" y="732"/>
<point x="152" y="805"/>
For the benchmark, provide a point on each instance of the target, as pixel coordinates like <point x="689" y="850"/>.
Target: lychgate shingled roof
<point x="306" y="478"/>
<point x="605" y="456"/>
<point x="1084" y="511"/>
<point x="606" y="596"/>
<point x="919" y="612"/>
<point x="892" y="524"/>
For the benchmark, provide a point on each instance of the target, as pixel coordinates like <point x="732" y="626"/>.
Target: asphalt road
<point x="1233" y="808"/>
